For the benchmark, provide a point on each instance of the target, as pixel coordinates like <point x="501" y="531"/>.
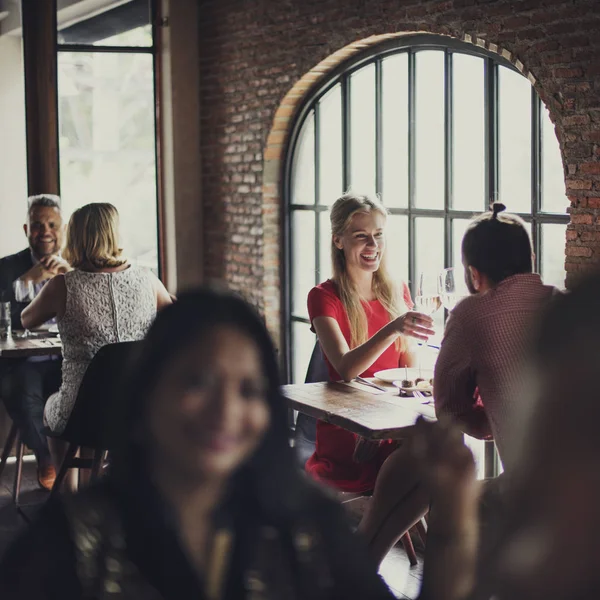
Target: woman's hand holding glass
<point x="414" y="324"/>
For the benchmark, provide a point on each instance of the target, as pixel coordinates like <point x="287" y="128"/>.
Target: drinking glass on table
<point x="427" y="299"/>
<point x="452" y="287"/>
<point x="24" y="292"/>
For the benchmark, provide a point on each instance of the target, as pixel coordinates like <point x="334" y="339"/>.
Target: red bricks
<point x="252" y="55"/>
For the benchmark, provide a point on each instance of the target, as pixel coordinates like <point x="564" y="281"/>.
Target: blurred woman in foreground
<point x="204" y="499"/>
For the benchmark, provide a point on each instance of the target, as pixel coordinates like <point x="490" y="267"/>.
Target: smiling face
<point x="44" y="230"/>
<point x="209" y="411"/>
<point x="363" y="241"/>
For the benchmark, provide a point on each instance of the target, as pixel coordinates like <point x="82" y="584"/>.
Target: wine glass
<point x="452" y="287"/>
<point x="24" y="292"/>
<point x="427" y="299"/>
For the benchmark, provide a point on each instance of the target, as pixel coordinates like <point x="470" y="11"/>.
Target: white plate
<point x="391" y="375"/>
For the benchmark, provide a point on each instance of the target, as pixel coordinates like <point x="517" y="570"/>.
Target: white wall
<point x="13" y="166"/>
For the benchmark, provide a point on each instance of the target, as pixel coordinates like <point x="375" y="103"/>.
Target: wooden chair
<point x="14" y="441"/>
<point x="91" y="422"/>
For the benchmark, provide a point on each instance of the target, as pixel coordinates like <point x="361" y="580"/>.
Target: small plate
<point x="412" y="373"/>
<point x="425" y="390"/>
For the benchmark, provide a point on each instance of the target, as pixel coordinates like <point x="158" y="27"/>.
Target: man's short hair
<point x="49" y="200"/>
<point x="498" y="245"/>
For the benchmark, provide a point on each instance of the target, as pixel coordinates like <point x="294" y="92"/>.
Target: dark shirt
<point x="41" y="563"/>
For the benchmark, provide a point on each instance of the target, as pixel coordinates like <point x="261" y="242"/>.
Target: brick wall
<point x="259" y="57"/>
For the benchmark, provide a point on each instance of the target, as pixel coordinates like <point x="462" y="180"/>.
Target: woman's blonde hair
<point x="93" y="237"/>
<point x="342" y="212"/>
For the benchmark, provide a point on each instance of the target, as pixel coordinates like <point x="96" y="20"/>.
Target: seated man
<point x="477" y="374"/>
<point x="26" y="384"/>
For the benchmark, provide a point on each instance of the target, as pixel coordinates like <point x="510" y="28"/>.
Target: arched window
<point x="438" y="128"/>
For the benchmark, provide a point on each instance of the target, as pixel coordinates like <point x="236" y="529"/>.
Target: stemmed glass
<point x="451" y="287"/>
<point x="24" y="292"/>
<point x="427" y="299"/>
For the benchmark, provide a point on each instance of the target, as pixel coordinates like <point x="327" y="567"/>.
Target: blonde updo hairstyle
<point x="384" y="289"/>
<point x="93" y="238"/>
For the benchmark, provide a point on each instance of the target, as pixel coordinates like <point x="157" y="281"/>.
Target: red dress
<point x="332" y="460"/>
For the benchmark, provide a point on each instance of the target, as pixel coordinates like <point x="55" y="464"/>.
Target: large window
<point x="107" y="134"/>
<point x="439" y="129"/>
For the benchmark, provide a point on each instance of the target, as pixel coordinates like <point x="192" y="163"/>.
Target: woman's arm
<point x="163" y="298"/>
<point x="49" y="303"/>
<point x="351" y="363"/>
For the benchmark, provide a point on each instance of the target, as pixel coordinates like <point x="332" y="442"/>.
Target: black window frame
<point x="411" y="44"/>
<point x="114" y="21"/>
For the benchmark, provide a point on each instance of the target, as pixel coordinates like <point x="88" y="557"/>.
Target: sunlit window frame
<point x="154" y="51"/>
<point x="410" y="45"/>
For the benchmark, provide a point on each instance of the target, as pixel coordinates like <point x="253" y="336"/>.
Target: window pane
<point x="303" y="169"/>
<point x="459" y="226"/>
<point x="330" y="146"/>
<point x="107" y="144"/>
<point x="395" y="130"/>
<point x="362" y="130"/>
<point x="429" y="109"/>
<point x="396" y="240"/>
<point x="514" y="133"/>
<point x="303" y="259"/>
<point x="325" y="247"/>
<point x="468" y="133"/>
<point x="553" y="254"/>
<point x="125" y="25"/>
<point x="429" y="258"/>
<point x="303" y="342"/>
<point x="554" y="198"/>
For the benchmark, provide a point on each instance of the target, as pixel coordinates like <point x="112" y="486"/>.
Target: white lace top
<point x="101" y="308"/>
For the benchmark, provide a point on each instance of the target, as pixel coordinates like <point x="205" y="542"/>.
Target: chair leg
<point x="97" y="464"/>
<point x="421" y="527"/>
<point x="18" y="471"/>
<point x="64" y="468"/>
<point x="8" y="446"/>
<point x="409" y="548"/>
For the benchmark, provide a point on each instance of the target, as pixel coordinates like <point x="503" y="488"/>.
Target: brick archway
<point x="278" y="141"/>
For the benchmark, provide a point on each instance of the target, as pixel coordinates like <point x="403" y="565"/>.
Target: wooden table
<point x="44" y="345"/>
<point x="371" y="414"/>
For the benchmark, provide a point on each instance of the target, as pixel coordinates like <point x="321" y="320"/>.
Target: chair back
<point x="317" y="367"/>
<point x="92" y="421"/>
<point x="305" y="433"/>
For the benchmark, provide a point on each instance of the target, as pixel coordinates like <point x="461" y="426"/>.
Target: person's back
<point x="494" y="332"/>
<point x="101" y="308"/>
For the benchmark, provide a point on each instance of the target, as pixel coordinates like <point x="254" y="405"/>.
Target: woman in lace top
<point x="104" y="300"/>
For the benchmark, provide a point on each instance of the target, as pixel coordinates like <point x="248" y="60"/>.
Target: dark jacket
<point x="110" y="543"/>
<point x="11" y="268"/>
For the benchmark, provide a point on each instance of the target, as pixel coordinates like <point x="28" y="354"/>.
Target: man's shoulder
<point x="19" y="257"/>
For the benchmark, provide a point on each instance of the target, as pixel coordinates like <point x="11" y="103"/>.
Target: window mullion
<point x="411" y="167"/>
<point x="448" y="151"/>
<point x="491" y="130"/>
<point x="346" y="133"/>
<point x="317" y="169"/>
<point x="378" y="127"/>
<point x="536" y="182"/>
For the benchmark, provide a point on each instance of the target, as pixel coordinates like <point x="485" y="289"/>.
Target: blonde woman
<point x="105" y="299"/>
<point x="360" y="319"/>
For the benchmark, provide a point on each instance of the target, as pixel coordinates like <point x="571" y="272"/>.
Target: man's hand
<point x="37" y="274"/>
<point x="47" y="268"/>
<point x="55" y="264"/>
